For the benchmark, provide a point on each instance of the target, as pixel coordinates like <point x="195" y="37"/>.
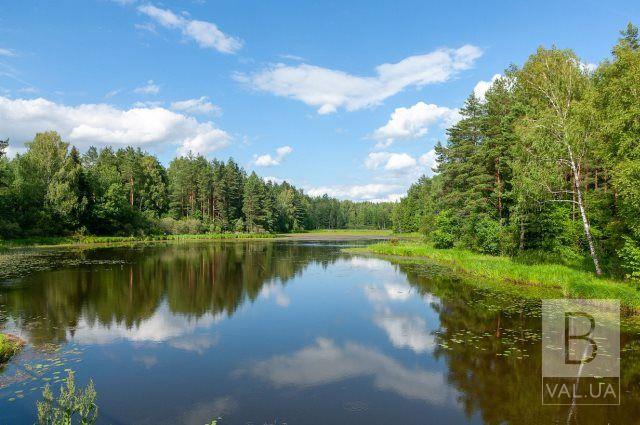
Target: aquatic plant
<point x="9" y="347"/>
<point x="72" y="406"/>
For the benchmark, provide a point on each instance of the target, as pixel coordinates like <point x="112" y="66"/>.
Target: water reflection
<point x="326" y="362"/>
<point x="252" y="331"/>
<point x="154" y="293"/>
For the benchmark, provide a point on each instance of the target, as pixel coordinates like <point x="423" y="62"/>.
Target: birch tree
<point x="556" y="131"/>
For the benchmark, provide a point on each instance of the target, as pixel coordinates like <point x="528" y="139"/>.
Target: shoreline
<point x="89" y="241"/>
<point x="532" y="281"/>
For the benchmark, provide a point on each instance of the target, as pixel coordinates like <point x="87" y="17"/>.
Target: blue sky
<point x="344" y="97"/>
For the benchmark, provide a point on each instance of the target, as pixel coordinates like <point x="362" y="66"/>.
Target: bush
<point x="630" y="254"/>
<point x="488" y="236"/>
<point x="442" y="240"/>
<point x="187" y="226"/>
<point x="444" y="235"/>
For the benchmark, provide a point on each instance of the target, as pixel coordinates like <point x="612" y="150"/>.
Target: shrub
<point x="630" y="254"/>
<point x="444" y="235"/>
<point x="487" y="235"/>
<point x="187" y="226"/>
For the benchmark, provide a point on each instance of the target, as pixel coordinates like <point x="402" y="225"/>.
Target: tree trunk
<point x="131" y="191"/>
<point x="522" y="233"/>
<point x="499" y="187"/>
<point x="583" y="214"/>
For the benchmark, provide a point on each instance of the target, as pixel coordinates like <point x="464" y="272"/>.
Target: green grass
<point x="348" y="232"/>
<point x="9" y="347"/>
<point x="502" y="273"/>
<point x="94" y="240"/>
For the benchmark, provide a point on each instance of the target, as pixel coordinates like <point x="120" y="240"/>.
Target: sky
<point x="341" y="97"/>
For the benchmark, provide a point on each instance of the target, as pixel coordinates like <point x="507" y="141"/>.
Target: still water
<point x="267" y="332"/>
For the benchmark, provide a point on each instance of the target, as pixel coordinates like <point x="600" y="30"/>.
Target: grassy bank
<point x="78" y="240"/>
<point x="96" y="240"/>
<point x="346" y="232"/>
<point x="502" y="273"/>
<point x="9" y="347"/>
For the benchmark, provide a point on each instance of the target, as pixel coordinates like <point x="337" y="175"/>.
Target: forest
<point x="546" y="167"/>
<point x="53" y="189"/>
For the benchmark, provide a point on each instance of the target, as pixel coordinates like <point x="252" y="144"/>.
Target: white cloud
<point x="274" y="290"/>
<point x="588" y="67"/>
<point x="270" y="161"/>
<point x="205" y="34"/>
<point x="161" y="326"/>
<point x="429" y="161"/>
<point x="149" y="88"/>
<point x="373" y="192"/>
<point x="272" y="179"/>
<point x="7" y="52"/>
<point x="112" y="93"/>
<point x="199" y="106"/>
<point x="329" y="89"/>
<point x="406" y="331"/>
<point x="102" y="124"/>
<point x="388" y="292"/>
<point x="390" y="161"/>
<point x="326" y="362"/>
<point x="292" y="57"/>
<point x="481" y="88"/>
<point x="148" y="104"/>
<point x="414" y="122"/>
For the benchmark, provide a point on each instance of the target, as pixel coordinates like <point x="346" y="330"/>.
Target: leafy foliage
<point x="53" y="190"/>
<point x="546" y="165"/>
<point x="71" y="406"/>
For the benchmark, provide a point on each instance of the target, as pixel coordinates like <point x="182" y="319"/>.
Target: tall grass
<point x="530" y="279"/>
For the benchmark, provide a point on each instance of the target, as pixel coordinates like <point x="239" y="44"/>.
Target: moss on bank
<point x="9" y="346"/>
<point x="505" y="274"/>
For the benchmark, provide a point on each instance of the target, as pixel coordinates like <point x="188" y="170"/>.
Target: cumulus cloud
<point x="149" y="88"/>
<point x="199" y="106"/>
<point x="429" y="161"/>
<point x="373" y="192"/>
<point x="481" y="87"/>
<point x="161" y="326"/>
<point x="269" y="161"/>
<point x="414" y="122"/>
<point x="406" y="331"/>
<point x="205" y="34"/>
<point x="390" y="161"/>
<point x="102" y="124"/>
<point x="329" y="89"/>
<point x="326" y="362"/>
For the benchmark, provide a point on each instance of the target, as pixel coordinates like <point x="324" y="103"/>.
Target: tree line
<point x="53" y="189"/>
<point x="546" y="166"/>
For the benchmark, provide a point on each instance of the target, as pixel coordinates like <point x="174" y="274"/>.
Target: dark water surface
<point x="269" y="332"/>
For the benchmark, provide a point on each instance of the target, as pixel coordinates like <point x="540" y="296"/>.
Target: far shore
<point x="88" y="241"/>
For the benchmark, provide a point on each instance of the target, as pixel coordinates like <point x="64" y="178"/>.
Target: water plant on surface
<point x="71" y="406"/>
<point x="9" y="347"/>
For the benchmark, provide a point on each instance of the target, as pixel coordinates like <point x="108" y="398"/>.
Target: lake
<point x="278" y="332"/>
